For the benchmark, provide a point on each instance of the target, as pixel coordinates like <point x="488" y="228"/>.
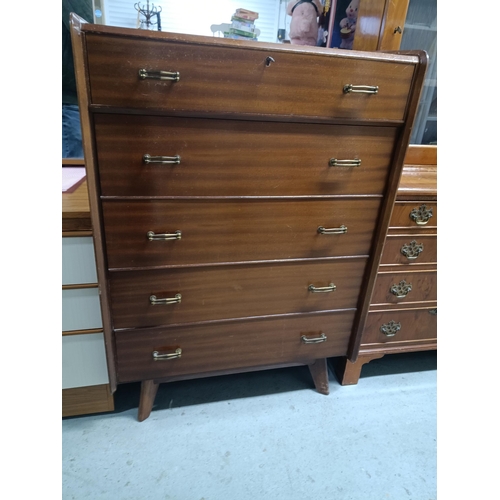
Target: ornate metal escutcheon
<point x="401" y="290"/>
<point x="421" y="215"/>
<point x="390" y="329"/>
<point x="412" y="250"/>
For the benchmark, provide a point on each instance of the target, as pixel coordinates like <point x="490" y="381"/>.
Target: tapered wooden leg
<point x="319" y="372"/>
<point x="148" y="393"/>
<point x="348" y="373"/>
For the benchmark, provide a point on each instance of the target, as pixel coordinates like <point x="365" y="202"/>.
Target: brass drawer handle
<point x="390" y="329"/>
<point x="159" y="75"/>
<point x="333" y="230"/>
<point x="335" y="162"/>
<point x="322" y="289"/>
<point x="315" y="340"/>
<point x="170" y="355"/>
<point x="162" y="302"/>
<point x="164" y="160"/>
<point x="401" y="290"/>
<point x="162" y="237"/>
<point x="412" y="250"/>
<point x="360" y="89"/>
<point x="421" y="215"/>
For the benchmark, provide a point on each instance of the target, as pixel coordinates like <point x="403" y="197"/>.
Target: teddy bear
<point x="304" y="24"/>
<point x="348" y="25"/>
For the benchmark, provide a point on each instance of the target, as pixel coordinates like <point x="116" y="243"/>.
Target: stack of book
<point x="242" y="25"/>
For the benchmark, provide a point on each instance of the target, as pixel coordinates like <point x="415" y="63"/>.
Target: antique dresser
<point x="240" y="193"/>
<point x="403" y="310"/>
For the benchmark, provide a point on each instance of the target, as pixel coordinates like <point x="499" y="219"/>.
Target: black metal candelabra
<point x="149" y="14"/>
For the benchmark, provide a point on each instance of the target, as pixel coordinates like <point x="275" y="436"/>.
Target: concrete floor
<point x="264" y="436"/>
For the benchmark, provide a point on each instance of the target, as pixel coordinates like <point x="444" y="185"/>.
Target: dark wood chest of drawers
<point x="239" y="193"/>
<point x="403" y="310"/>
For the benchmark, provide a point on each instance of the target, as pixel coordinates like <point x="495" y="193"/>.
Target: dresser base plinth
<point x="348" y="373"/>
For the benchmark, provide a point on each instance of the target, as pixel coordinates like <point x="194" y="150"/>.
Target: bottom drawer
<point x="403" y="325"/>
<point x="231" y="346"/>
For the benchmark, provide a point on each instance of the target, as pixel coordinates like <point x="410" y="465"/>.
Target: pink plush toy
<point x="348" y="25"/>
<point x="304" y="24"/>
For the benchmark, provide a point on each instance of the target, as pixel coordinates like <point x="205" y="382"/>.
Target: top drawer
<point x="225" y="79"/>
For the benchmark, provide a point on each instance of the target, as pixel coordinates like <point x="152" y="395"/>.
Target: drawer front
<point x="219" y="292"/>
<point x="411" y="324"/>
<point x="239" y="345"/>
<point x="238" y="158"/>
<point x="83" y="361"/>
<point x="410" y="249"/>
<point x="237" y="80"/>
<point x="81" y="309"/>
<point x="229" y="231"/>
<point x="414" y="215"/>
<point x="78" y="261"/>
<point x="398" y="288"/>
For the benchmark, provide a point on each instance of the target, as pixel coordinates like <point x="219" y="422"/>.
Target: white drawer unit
<point x="85" y="379"/>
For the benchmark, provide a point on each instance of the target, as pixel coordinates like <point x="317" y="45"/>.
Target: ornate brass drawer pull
<point x="335" y="162"/>
<point x="360" y="89"/>
<point x="315" y="340"/>
<point x="162" y="237"/>
<point x="162" y="302"/>
<point x="401" y="290"/>
<point x="412" y="250"/>
<point x="322" y="289"/>
<point x="390" y="329"/>
<point x="164" y="160"/>
<point x="333" y="230"/>
<point x="170" y="355"/>
<point x="421" y="215"/>
<point x="159" y="75"/>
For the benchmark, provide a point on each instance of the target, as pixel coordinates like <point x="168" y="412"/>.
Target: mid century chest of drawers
<point x="239" y="193"/>
<point x="403" y="310"/>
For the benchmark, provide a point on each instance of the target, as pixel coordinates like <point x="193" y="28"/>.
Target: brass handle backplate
<point x="401" y="290"/>
<point x="162" y="302"/>
<point x="333" y="230"/>
<point x="322" y="289"/>
<point x="335" y="162"/>
<point x="421" y="215"/>
<point x="165" y="236"/>
<point x="390" y="329"/>
<point x="164" y="160"/>
<point x="165" y="357"/>
<point x="360" y="89"/>
<point x="314" y="340"/>
<point x="412" y="250"/>
<point x="159" y="75"/>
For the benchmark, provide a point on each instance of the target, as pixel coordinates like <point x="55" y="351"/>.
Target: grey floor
<point x="264" y="436"/>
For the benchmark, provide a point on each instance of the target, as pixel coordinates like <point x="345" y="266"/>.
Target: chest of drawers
<point x="403" y="311"/>
<point x="239" y="193"/>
